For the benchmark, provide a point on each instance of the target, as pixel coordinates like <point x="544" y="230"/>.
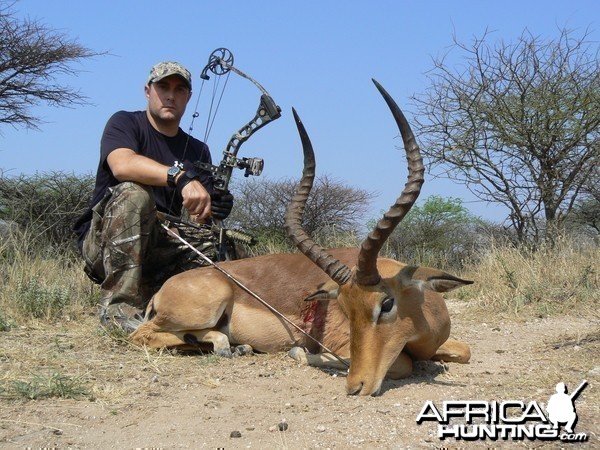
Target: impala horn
<point x="338" y="272"/>
<point x="366" y="272"/>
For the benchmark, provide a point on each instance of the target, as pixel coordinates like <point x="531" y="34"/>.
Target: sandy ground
<point x="139" y="399"/>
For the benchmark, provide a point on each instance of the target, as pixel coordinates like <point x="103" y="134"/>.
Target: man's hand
<point x="196" y="199"/>
<point x="222" y="203"/>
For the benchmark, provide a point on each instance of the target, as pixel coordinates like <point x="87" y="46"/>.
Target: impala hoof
<point x="298" y="354"/>
<point x="224" y="353"/>
<point x="242" y="350"/>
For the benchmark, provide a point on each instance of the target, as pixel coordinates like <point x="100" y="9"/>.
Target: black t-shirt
<point x="133" y="130"/>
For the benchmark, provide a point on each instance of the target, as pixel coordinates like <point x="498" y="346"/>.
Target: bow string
<point x="220" y="63"/>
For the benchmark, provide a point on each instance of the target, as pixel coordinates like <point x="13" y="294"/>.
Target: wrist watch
<point x="173" y="172"/>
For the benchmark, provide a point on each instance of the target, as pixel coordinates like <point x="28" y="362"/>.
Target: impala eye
<point x="387" y="304"/>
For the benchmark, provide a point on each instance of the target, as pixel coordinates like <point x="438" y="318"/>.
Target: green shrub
<point x="38" y="300"/>
<point x="41" y="386"/>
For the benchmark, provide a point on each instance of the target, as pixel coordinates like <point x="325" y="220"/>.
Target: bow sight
<point x="220" y="63"/>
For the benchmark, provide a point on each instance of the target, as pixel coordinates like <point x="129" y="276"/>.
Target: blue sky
<point x="317" y="56"/>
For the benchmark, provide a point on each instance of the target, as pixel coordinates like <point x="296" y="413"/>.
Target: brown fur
<point x="204" y="306"/>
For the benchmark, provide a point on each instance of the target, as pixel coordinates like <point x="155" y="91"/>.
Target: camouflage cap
<point x="165" y="69"/>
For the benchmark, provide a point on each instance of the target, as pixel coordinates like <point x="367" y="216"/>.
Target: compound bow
<point x="220" y="63"/>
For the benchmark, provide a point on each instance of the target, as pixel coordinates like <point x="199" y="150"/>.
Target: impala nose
<point x="362" y="389"/>
<point x="354" y="390"/>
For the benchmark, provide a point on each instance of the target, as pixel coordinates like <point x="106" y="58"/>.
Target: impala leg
<point x="187" y="311"/>
<point x="148" y="334"/>
<point x="326" y="360"/>
<point x="401" y="368"/>
<point x="152" y="336"/>
<point x="219" y="341"/>
<point x="317" y="360"/>
<point x="453" y="351"/>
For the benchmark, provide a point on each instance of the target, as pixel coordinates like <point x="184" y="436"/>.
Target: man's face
<point x="168" y="98"/>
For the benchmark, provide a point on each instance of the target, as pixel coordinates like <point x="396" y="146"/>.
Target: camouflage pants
<point x="131" y="255"/>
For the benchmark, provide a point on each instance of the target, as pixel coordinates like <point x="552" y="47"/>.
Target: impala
<point x="378" y="312"/>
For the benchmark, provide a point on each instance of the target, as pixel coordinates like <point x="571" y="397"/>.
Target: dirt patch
<point x="138" y="399"/>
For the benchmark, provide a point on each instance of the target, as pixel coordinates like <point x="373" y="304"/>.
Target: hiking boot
<point x="121" y="316"/>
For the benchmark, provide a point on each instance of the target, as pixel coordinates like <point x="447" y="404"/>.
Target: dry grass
<point x="52" y="349"/>
<point x="39" y="284"/>
<point x="67" y="381"/>
<point x="82" y="360"/>
<point x="563" y="279"/>
<point x="50" y="337"/>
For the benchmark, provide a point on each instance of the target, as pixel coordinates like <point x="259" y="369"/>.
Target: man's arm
<point x="127" y="165"/>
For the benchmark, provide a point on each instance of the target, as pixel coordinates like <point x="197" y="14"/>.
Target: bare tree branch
<point x="33" y="59"/>
<point x="332" y="207"/>
<point x="519" y="123"/>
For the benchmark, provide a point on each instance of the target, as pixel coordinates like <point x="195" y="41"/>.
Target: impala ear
<point x="445" y="284"/>
<point x="432" y="279"/>
<point x="327" y="291"/>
